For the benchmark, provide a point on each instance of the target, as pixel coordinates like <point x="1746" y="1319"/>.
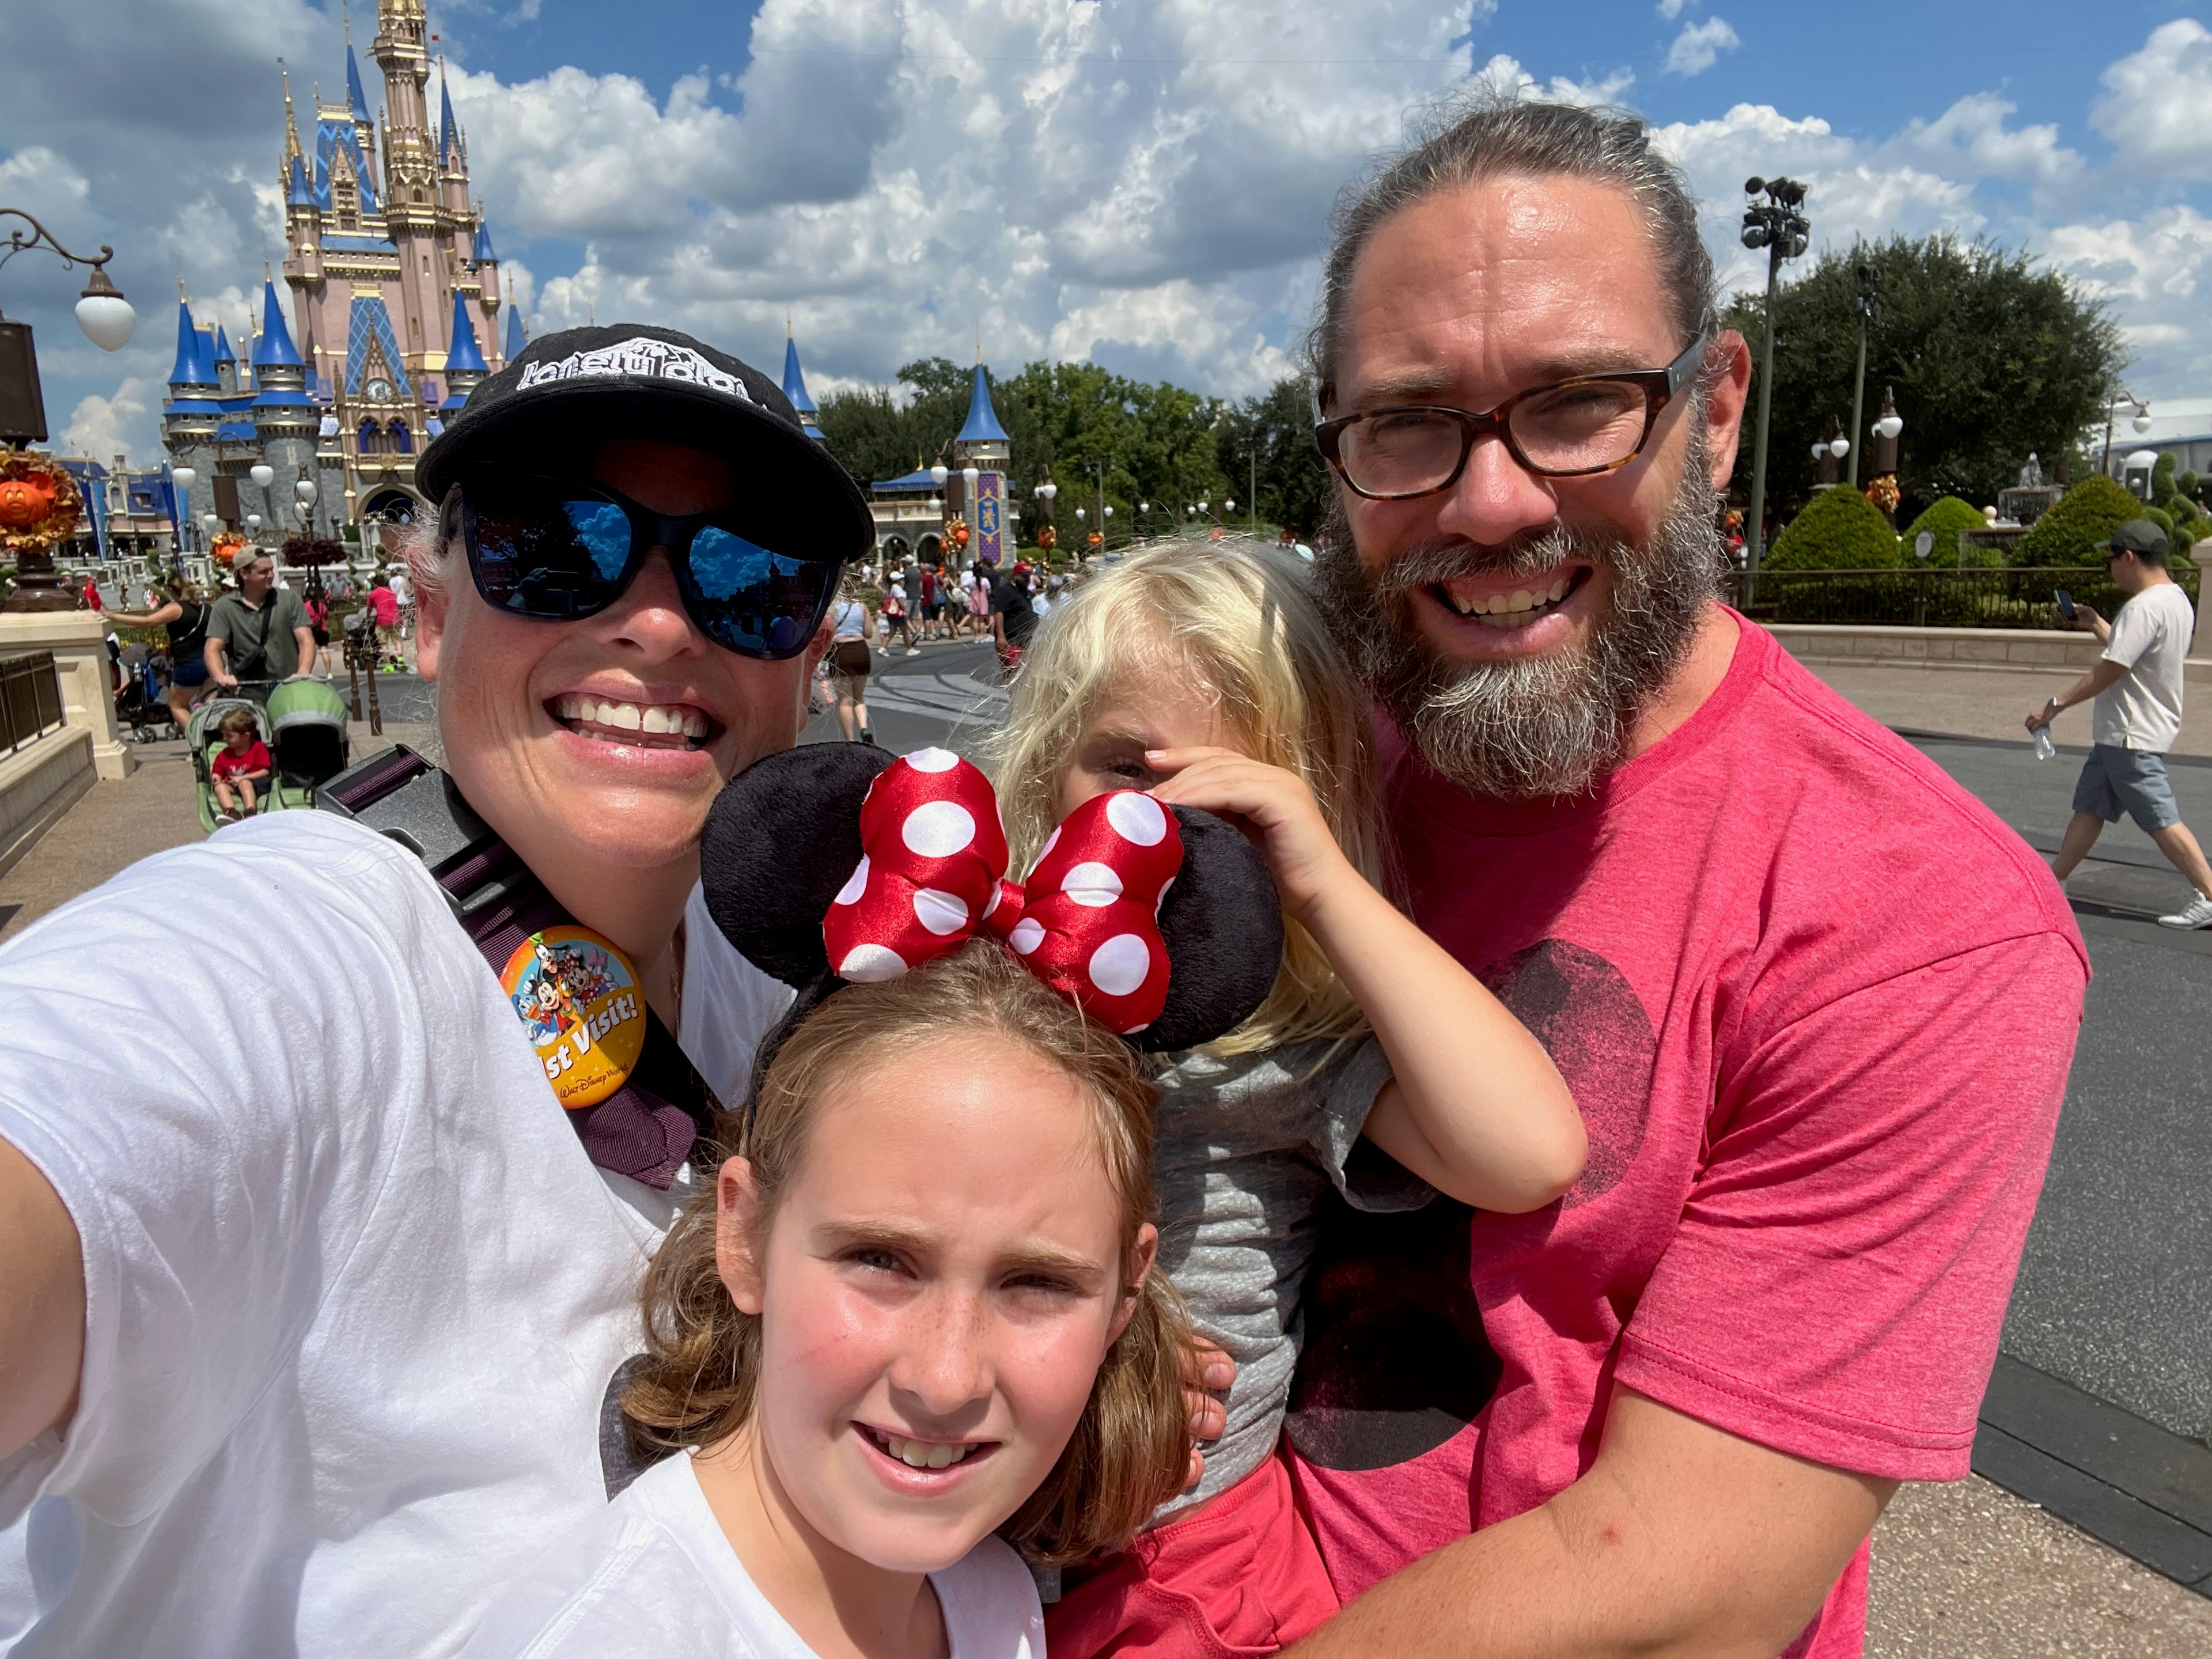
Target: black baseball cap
<point x="547" y="407"/>
<point x="2137" y="535"/>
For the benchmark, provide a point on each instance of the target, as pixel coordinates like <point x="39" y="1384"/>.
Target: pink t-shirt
<point x="1817" y="1007"/>
<point x="386" y="604"/>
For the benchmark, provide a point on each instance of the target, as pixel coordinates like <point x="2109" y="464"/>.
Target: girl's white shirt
<point x="654" y="1574"/>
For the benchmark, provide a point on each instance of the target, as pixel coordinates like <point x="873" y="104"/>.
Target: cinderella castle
<point x="393" y="316"/>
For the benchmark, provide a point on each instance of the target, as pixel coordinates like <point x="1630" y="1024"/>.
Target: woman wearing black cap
<point x="313" y="1288"/>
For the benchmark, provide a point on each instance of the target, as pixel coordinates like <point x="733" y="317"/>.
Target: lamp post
<point x="183" y="479"/>
<point x="1778" y="226"/>
<point x="107" y="319"/>
<point x="1868" y="306"/>
<point x="2141" y="421"/>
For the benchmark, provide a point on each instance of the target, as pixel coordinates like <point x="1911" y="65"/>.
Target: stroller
<point x="302" y="720"/>
<point x="138" y="702"/>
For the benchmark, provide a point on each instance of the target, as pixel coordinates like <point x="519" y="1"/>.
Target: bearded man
<point x="1817" y="1005"/>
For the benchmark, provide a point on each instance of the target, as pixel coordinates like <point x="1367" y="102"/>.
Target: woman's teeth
<point x="1511" y="609"/>
<point x="649" y="719"/>
<point x="923" y="1454"/>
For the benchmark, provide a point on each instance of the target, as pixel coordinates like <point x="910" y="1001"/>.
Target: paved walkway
<point x="2106" y="1300"/>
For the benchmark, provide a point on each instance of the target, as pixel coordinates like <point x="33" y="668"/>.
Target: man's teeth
<point x="1511" y="609"/>
<point x="924" y="1454"/>
<point x="656" y="717"/>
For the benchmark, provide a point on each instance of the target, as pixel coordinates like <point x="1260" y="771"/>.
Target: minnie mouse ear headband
<point x="836" y="862"/>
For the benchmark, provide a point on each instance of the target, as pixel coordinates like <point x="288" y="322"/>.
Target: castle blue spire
<point x="193" y="366"/>
<point x="481" y="251"/>
<point x="354" y="96"/>
<point x="982" y="426"/>
<point x="449" y="135"/>
<point x="464" y="353"/>
<point x="515" y="338"/>
<point x="223" y="353"/>
<point x="297" y="192"/>
<point x="275" y="348"/>
<point x="794" y="383"/>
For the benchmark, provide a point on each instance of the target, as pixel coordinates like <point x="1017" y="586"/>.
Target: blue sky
<point x="1143" y="182"/>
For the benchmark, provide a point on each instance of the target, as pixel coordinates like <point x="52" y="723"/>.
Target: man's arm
<point x="1682" y="1540"/>
<point x="41" y="1305"/>
<point x="303" y="641"/>
<point x="2101" y="677"/>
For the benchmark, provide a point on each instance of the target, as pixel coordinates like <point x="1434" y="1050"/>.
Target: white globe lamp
<point x="104" y="314"/>
<point x="262" y="474"/>
<point x="1889" y="426"/>
<point x="304" y="490"/>
<point x="938" y="474"/>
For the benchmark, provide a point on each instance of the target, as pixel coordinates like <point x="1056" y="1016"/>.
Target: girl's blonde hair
<point x="702" y="1359"/>
<point x="1235" y="619"/>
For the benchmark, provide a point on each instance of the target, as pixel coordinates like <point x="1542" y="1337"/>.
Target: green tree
<point x="2074" y="531"/>
<point x="1991" y="356"/>
<point x="1945" y="517"/>
<point x="1294" y="481"/>
<point x="1838" y="530"/>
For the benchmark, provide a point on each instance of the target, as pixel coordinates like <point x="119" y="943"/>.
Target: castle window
<point x="371" y="439"/>
<point x="402" y="441"/>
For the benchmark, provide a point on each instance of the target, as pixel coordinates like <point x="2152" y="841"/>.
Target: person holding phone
<point x="2135" y="690"/>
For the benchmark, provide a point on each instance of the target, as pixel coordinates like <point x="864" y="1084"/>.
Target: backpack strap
<point x="648" y="1128"/>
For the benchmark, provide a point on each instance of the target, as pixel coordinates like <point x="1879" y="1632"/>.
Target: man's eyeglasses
<point x="1592" y="423"/>
<point x="560" y="550"/>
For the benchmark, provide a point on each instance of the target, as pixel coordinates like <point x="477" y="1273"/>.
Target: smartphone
<point x="2065" y="604"/>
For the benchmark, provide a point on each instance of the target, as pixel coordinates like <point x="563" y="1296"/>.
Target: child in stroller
<point x="242" y="762"/>
<point x="300" y="722"/>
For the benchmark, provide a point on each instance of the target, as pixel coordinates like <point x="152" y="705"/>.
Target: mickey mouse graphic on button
<point x="931" y="873"/>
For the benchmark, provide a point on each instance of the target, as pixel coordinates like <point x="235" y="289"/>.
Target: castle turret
<point x="191" y="415"/>
<point x="226" y="361"/>
<point x="983" y="444"/>
<point x="516" y="337"/>
<point x="466" y="367"/>
<point x="794" y="386"/>
<point x="284" y="414"/>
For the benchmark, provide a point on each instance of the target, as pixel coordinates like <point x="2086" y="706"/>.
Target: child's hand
<point x="1280" y="810"/>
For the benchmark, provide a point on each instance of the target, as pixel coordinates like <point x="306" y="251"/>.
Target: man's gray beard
<point x="1543" y="725"/>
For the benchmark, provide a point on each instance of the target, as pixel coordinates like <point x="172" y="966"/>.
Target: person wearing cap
<point x="313" y="1295"/>
<point x="2135" y="693"/>
<point x="1013" y="617"/>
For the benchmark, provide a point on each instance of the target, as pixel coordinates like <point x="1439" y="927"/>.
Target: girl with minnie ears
<point x="918" y="1306"/>
<point x="1204" y="674"/>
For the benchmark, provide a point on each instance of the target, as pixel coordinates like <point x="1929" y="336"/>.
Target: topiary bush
<point x="1946" y="517"/>
<point x="2076" y="530"/>
<point x="2163" y="520"/>
<point x="1838" y="530"/>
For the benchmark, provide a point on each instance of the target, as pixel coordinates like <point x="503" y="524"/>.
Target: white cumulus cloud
<point x="1699" y="45"/>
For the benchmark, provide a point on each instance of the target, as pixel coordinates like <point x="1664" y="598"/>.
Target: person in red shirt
<point x="1815" y="1003"/>
<point x="241" y="762"/>
<point x="384" y="606"/>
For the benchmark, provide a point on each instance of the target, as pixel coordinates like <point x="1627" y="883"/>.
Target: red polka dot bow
<point x="932" y="868"/>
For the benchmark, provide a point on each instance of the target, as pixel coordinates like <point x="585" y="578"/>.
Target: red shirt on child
<point x="228" y="763"/>
<point x="1817" y="1005"/>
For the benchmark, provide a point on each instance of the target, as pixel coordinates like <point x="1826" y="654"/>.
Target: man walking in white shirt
<point x="2137" y="716"/>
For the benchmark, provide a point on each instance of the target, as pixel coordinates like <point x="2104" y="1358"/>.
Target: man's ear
<point x="1724" y="405"/>
<point x="737" y="1218"/>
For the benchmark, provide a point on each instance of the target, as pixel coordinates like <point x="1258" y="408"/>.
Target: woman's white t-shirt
<point x="652" y="1576"/>
<point x="354" y="1295"/>
<point x="851" y="621"/>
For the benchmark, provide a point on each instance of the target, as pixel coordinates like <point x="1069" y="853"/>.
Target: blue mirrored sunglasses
<point x="558" y="551"/>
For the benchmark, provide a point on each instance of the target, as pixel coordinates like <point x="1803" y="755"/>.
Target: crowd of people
<point x="1445" y="1099"/>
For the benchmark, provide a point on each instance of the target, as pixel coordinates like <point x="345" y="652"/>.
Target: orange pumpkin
<point x="25" y="501"/>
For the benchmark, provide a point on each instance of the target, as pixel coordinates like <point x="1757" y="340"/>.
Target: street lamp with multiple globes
<point x="107" y="320"/>
<point x="2141" y="422"/>
<point x="1778" y="225"/>
<point x="1868" y="307"/>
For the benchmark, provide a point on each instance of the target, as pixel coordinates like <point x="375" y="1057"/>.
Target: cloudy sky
<point x="1144" y="183"/>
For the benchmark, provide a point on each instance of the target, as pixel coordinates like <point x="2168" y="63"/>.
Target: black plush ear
<point x="781" y="838"/>
<point x="1223" y="922"/>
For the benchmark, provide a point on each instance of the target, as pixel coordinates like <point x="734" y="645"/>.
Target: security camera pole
<point x="1777" y="226"/>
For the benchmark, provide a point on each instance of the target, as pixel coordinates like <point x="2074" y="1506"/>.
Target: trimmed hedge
<point x="1838" y="530"/>
<point x="1946" y="517"/>
<point x="2075" y="531"/>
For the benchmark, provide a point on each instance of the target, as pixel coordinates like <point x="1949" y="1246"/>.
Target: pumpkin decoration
<point x="1048" y="538"/>
<point x="39" y="501"/>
